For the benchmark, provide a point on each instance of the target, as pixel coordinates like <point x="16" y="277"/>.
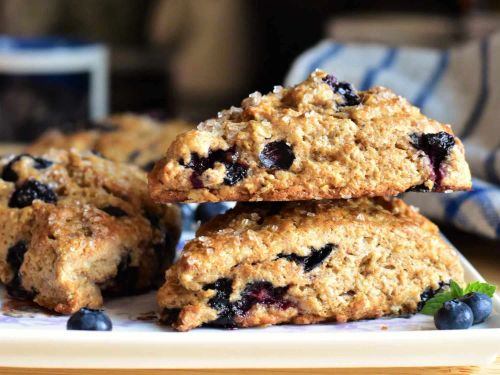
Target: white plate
<point x="33" y="339"/>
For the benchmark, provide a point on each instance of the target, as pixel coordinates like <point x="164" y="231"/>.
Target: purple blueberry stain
<point x="437" y="147"/>
<point x="313" y="260"/>
<point x="8" y="173"/>
<point x="277" y="155"/>
<point x="344" y="89"/>
<point x="259" y="292"/>
<point x="235" y="172"/>
<point x="263" y="293"/>
<point x="24" y="195"/>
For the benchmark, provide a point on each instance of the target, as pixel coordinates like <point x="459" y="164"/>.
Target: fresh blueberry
<point x="205" y="211"/>
<point x="314" y="259"/>
<point x="114" y="211"/>
<point x="87" y="319"/>
<point x="480" y="304"/>
<point x="24" y="195"/>
<point x="344" y="89"/>
<point x="8" y="173"/>
<point x="454" y="314"/>
<point x="277" y="155"/>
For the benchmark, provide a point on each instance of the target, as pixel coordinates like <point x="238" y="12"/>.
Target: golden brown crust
<point x="130" y="138"/>
<point x="338" y="151"/>
<point x="95" y="231"/>
<point x="383" y="255"/>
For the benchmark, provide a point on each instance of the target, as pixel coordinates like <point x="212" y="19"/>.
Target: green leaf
<point x="434" y="304"/>
<point x="455" y="289"/>
<point x="480" y="287"/>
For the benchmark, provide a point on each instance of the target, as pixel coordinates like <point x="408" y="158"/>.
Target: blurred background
<point x="190" y="58"/>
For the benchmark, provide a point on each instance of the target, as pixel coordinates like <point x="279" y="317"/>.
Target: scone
<point x="307" y="262"/>
<point x="135" y="139"/>
<point x="320" y="139"/>
<point x="75" y="226"/>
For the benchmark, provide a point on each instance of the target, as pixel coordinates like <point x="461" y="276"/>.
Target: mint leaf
<point x="480" y="287"/>
<point x="435" y="303"/>
<point x="455" y="289"/>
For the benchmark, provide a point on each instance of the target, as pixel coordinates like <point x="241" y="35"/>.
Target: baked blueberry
<point x="15" y="258"/>
<point x="428" y="293"/>
<point x="148" y="167"/>
<point x="235" y="172"/>
<point x="277" y="155"/>
<point x="114" y="211"/>
<point x="480" y="304"/>
<point x="24" y="195"/>
<point x="206" y="211"/>
<point x="262" y="292"/>
<point x="8" y="173"/>
<point x="344" y="89"/>
<point x="169" y="316"/>
<point x="87" y="319"/>
<point x="314" y="259"/>
<point x="437" y="146"/>
<point x="15" y="255"/>
<point x="223" y="288"/>
<point x="454" y="314"/>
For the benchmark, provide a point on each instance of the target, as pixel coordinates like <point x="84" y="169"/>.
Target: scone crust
<point x="383" y="256"/>
<point x="339" y="151"/>
<point x="129" y="138"/>
<point x="99" y="232"/>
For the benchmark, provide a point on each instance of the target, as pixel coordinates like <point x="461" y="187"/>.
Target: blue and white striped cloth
<point x="459" y="86"/>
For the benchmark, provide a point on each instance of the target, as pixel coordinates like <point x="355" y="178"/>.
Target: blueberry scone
<point x="320" y="139"/>
<point x="307" y="262"/>
<point x="134" y="139"/>
<point x="75" y="226"/>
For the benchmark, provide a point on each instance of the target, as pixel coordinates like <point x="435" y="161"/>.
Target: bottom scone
<point x="307" y="262"/>
<point x="74" y="227"/>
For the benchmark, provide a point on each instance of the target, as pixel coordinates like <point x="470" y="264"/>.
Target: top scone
<point x="319" y="139"/>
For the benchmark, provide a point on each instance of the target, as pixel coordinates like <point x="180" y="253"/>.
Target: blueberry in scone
<point x="307" y="262"/>
<point x="129" y="138"/>
<point x="75" y="227"/>
<point x="320" y="139"/>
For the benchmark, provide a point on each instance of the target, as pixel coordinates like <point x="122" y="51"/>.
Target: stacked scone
<point x="322" y="242"/>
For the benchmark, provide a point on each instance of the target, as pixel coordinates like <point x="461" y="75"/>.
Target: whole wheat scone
<point x="75" y="226"/>
<point x="319" y="139"/>
<point x="307" y="262"/>
<point x="136" y="139"/>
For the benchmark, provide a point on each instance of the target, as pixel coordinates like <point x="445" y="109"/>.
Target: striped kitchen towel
<point x="459" y="86"/>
